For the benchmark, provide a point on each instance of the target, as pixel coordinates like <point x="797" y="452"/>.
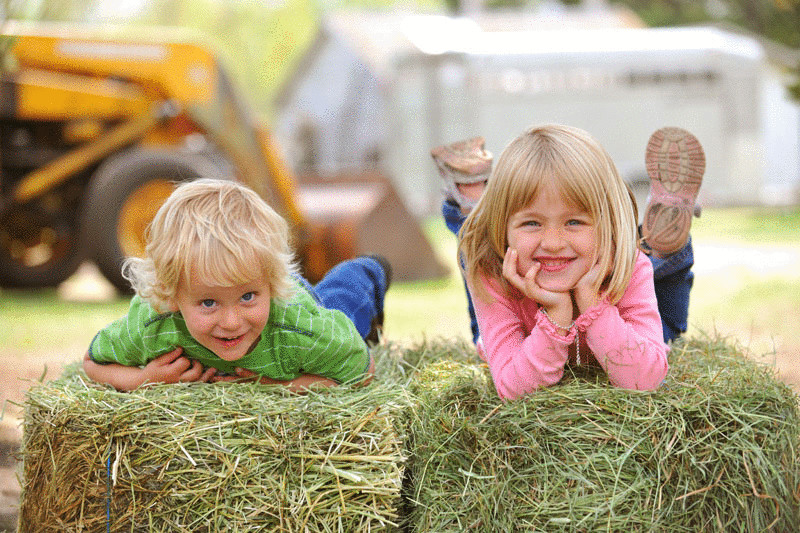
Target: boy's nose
<point x="229" y="319"/>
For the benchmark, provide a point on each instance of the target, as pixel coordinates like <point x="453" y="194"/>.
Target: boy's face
<point x="226" y="320"/>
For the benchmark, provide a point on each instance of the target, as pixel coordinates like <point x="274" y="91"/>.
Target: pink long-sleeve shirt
<point x="524" y="350"/>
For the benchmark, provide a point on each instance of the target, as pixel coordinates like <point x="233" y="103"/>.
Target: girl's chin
<point x="555" y="285"/>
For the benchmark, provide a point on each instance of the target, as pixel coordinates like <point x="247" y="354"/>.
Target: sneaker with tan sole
<point x="675" y="163"/>
<point x="463" y="163"/>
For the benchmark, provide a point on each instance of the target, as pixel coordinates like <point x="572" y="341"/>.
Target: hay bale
<point x="714" y="449"/>
<point x="196" y="457"/>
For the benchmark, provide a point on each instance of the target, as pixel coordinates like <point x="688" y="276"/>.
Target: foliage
<point x="778" y="20"/>
<point x="268" y="40"/>
<point x="260" y="53"/>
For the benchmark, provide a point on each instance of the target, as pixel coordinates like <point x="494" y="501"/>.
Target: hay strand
<point x="428" y="447"/>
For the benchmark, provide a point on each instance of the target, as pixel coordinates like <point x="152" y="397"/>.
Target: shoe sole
<point x="675" y="164"/>
<point x="462" y="163"/>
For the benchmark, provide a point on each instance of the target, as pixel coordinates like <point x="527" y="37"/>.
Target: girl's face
<point x="226" y="320"/>
<point x="558" y="235"/>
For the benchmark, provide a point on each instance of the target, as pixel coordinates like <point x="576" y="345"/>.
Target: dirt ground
<point x="14" y="381"/>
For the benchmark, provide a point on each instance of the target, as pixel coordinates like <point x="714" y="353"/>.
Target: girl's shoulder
<point x="643" y="264"/>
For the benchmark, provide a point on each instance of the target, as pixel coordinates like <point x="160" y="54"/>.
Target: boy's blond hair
<point x="217" y="230"/>
<point x="586" y="176"/>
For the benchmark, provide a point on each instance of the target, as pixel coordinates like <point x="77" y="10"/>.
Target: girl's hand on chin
<point x="586" y="293"/>
<point x="528" y="286"/>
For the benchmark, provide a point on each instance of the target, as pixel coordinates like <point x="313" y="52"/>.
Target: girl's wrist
<point x="557" y="320"/>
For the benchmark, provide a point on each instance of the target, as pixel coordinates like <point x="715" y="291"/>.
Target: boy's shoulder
<point x="302" y="310"/>
<point x="301" y="301"/>
<point x="142" y="311"/>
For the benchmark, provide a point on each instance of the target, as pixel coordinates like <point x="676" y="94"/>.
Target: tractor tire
<point x="38" y="247"/>
<point x="124" y="195"/>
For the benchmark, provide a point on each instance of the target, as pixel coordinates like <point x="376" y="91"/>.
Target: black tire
<point x="38" y="247"/>
<point x="124" y="195"/>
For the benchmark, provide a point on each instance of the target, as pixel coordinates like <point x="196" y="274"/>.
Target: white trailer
<point x="386" y="90"/>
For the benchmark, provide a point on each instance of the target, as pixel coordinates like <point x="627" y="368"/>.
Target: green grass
<point x="756" y="310"/>
<point x="38" y="321"/>
<point x="430" y="309"/>
<point x="749" y="225"/>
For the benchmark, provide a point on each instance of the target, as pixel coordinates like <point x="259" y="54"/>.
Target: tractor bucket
<point x="353" y="215"/>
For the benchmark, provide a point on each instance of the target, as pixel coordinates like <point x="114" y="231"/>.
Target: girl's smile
<point x="555" y="234"/>
<point x="552" y="264"/>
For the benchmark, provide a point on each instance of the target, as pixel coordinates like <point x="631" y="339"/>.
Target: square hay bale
<point x="714" y="449"/>
<point x="428" y="447"/>
<point x="199" y="457"/>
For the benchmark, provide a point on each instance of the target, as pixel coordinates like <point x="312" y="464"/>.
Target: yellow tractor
<point x="95" y="131"/>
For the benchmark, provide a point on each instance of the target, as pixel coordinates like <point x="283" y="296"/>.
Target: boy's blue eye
<point x="248" y="296"/>
<point x="208" y="303"/>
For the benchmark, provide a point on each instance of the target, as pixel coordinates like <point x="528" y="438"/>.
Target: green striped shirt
<point x="301" y="337"/>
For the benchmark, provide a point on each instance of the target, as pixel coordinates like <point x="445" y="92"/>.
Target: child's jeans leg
<point x="673" y="279"/>
<point x="357" y="288"/>
<point x="454" y="219"/>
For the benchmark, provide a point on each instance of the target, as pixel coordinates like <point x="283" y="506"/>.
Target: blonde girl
<point x="551" y="261"/>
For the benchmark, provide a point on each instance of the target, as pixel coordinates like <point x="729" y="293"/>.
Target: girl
<point x="552" y="265"/>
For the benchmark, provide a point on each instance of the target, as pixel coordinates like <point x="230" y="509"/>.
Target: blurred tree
<point x="260" y="42"/>
<point x="62" y="10"/>
<point x="778" y="20"/>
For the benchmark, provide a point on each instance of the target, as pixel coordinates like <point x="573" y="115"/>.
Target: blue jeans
<point x="673" y="279"/>
<point x="356" y="287"/>
<point x="672" y="276"/>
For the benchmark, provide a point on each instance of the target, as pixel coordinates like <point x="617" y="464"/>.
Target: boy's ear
<point x="172" y="305"/>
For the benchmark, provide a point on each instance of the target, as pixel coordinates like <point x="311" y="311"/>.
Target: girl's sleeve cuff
<point x="550" y="329"/>
<point x="591" y="314"/>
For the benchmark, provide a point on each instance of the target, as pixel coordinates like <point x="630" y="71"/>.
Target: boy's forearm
<point x="124" y="378"/>
<point x="305" y="382"/>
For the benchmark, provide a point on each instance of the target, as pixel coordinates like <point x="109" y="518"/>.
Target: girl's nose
<point x="551" y="239"/>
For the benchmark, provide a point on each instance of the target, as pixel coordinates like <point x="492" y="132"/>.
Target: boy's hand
<point x="173" y="367"/>
<point x="244" y="375"/>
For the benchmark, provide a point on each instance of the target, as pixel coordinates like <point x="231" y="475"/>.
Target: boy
<point x="218" y="299"/>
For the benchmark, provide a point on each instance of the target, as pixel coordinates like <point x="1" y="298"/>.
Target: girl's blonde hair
<point x="585" y="175"/>
<point x="218" y="230"/>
